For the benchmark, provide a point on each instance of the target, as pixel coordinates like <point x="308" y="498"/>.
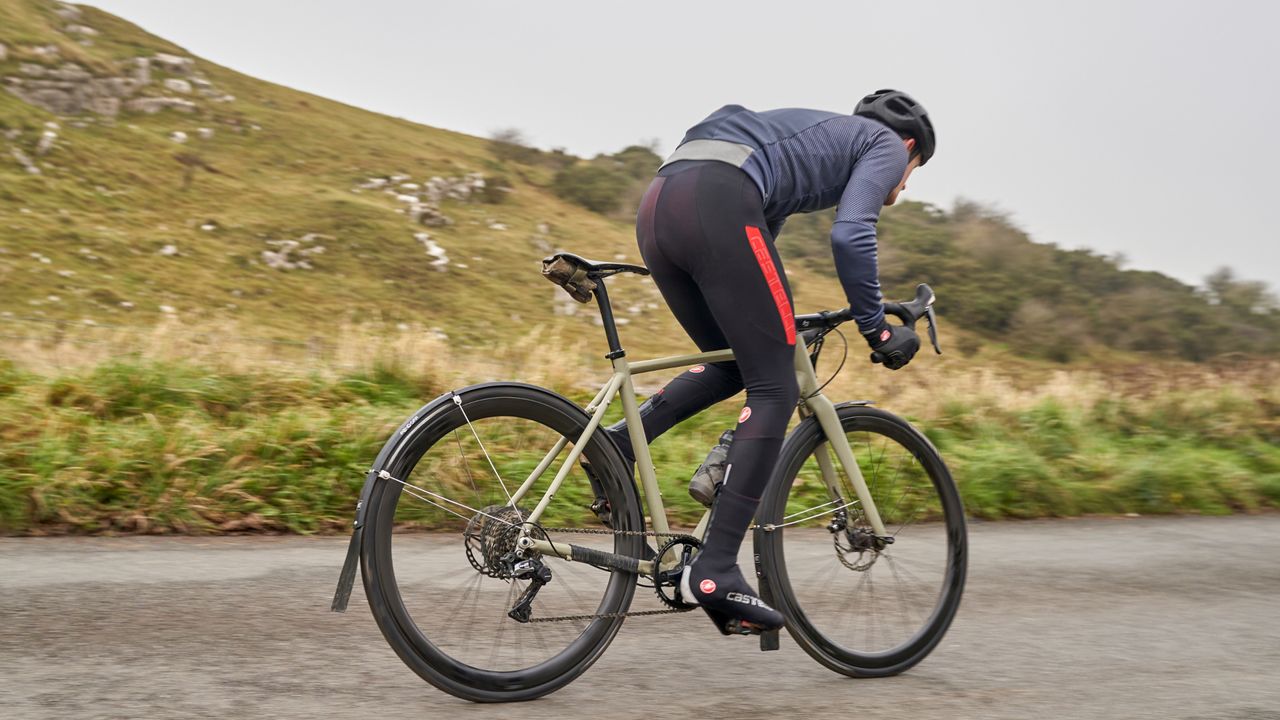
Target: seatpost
<point x="606" y="316"/>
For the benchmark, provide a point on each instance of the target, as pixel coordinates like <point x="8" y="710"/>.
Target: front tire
<point x="859" y="610"/>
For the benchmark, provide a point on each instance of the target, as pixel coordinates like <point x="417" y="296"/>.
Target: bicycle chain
<point x="610" y="615"/>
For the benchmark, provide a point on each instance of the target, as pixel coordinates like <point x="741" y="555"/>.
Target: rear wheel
<point x="437" y="559"/>
<point x="859" y="605"/>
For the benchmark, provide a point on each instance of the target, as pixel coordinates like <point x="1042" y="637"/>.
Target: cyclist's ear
<point x="910" y="142"/>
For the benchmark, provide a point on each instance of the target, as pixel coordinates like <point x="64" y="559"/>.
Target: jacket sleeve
<point x="853" y="235"/>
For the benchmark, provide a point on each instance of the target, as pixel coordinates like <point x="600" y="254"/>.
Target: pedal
<point x="769" y="641"/>
<point x="741" y="627"/>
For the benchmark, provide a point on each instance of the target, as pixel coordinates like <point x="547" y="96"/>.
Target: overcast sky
<point x="1150" y="129"/>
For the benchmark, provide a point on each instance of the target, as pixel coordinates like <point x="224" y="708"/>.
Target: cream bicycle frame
<point x="812" y="402"/>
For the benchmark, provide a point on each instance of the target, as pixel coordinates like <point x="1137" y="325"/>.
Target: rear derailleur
<point x="537" y="574"/>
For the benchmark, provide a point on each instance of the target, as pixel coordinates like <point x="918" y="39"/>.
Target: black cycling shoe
<point x="729" y="601"/>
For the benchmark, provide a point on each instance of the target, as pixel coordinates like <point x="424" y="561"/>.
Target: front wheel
<point x="856" y="604"/>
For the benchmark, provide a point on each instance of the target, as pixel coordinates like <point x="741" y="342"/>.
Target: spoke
<point x="466" y="466"/>
<point x="458" y="401"/>
<point x="410" y="488"/>
<point x="809" y="517"/>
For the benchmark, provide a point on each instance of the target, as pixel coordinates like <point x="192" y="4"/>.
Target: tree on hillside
<point x="511" y="145"/>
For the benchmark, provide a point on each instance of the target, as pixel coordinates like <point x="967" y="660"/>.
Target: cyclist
<point x="705" y="229"/>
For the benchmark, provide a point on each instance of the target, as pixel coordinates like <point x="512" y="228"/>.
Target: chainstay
<point x="612" y="615"/>
<point x="603" y="531"/>
<point x="638" y="613"/>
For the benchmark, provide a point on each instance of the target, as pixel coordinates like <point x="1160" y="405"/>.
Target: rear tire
<point x="897" y="623"/>
<point x="444" y="615"/>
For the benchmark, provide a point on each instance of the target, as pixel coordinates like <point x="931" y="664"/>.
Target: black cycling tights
<point x="702" y="233"/>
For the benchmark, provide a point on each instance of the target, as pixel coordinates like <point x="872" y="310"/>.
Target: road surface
<point x="1098" y="618"/>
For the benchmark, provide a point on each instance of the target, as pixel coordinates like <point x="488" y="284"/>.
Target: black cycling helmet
<point x="904" y="115"/>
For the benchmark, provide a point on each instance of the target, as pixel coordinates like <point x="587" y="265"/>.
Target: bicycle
<point x="551" y="607"/>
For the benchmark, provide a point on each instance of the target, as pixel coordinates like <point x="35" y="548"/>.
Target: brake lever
<point x="933" y="329"/>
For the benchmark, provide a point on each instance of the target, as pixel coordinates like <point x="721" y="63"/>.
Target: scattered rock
<point x="126" y="304"/>
<point x="178" y="86"/>
<point x="169" y="250"/>
<point x="68" y="12"/>
<point x="47" y="52"/>
<point x="205" y="133"/>
<point x="173" y="63"/>
<point x="47" y="139"/>
<point x="495" y="225"/>
<point x="4" y="52"/>
<point x="24" y="161"/>
<point x="540" y="238"/>
<point x="53" y="298"/>
<point x="168" y="309"/>
<point x="81" y="30"/>
<point x="430" y="216"/>
<point x="209" y="226"/>
<point x="441" y="261"/>
<point x="291" y="255"/>
<point x="66" y="273"/>
<point x="178" y="136"/>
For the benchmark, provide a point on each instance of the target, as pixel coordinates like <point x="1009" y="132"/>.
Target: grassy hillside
<point x="108" y="232"/>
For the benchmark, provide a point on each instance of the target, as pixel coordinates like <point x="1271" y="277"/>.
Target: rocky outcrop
<point x="153" y="105"/>
<point x="174" y="64"/>
<point x="71" y="89"/>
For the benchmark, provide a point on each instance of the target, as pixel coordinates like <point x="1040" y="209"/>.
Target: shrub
<point x="594" y="187"/>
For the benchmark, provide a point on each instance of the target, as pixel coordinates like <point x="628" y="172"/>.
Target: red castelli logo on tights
<point x="707" y="586"/>
<point x="742" y="416"/>
<point x="884" y="336"/>
<point x="697" y="368"/>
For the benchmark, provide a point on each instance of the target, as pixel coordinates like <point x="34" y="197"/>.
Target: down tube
<point x="825" y="411"/>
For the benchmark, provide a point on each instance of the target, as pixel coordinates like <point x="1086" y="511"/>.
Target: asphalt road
<point x="1123" y="618"/>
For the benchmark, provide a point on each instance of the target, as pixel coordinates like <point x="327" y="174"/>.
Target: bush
<point x="594" y="187"/>
<point x="510" y="145"/>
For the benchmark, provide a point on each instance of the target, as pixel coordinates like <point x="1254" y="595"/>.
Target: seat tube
<point x="640" y="446"/>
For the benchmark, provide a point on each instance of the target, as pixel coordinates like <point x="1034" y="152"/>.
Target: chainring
<point x="669" y="580"/>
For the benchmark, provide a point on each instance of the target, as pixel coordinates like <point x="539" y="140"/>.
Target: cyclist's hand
<point x="893" y="345"/>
